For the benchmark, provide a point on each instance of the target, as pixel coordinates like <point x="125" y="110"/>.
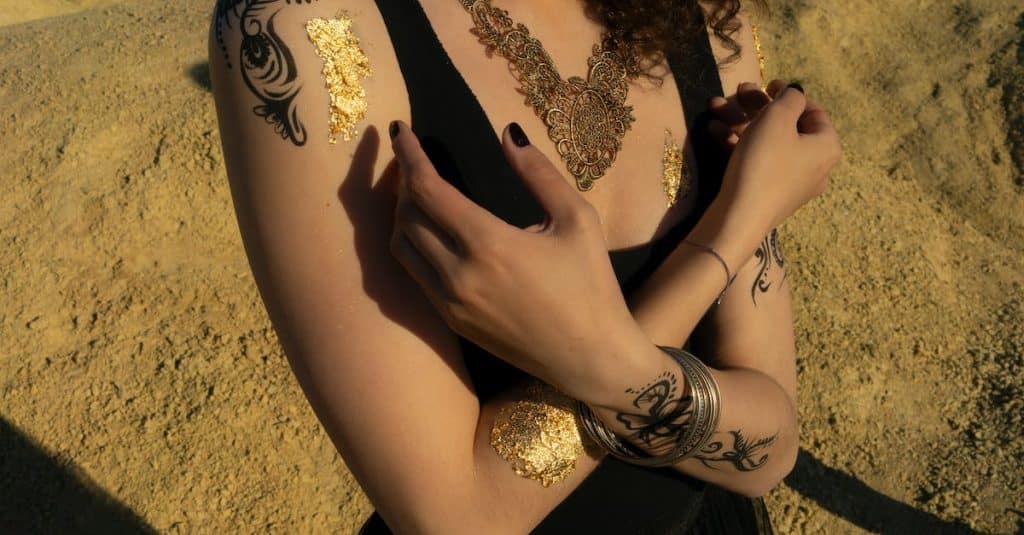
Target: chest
<point x="632" y="193"/>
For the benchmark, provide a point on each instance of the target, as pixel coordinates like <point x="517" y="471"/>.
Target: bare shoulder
<point x="313" y="72"/>
<point x="746" y="68"/>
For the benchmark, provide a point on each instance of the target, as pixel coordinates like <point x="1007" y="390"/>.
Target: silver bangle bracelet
<point x="694" y="435"/>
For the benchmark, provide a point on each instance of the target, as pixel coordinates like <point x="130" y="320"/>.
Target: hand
<point x="782" y="159"/>
<point x="733" y="114"/>
<point x="545" y="298"/>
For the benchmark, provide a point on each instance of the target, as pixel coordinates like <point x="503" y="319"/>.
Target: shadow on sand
<point x="850" y="498"/>
<point x="40" y="493"/>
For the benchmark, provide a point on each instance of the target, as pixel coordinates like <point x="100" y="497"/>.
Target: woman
<point x="425" y="294"/>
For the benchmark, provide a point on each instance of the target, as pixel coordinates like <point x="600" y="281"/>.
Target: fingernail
<point x="393" y="129"/>
<point x="517" y="134"/>
<point x="796" y="85"/>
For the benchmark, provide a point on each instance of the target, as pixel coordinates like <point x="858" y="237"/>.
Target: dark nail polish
<point x="393" y="129"/>
<point x="517" y="134"/>
<point x="797" y="86"/>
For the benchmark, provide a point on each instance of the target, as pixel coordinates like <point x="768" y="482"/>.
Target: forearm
<point x="695" y="274"/>
<point x="753" y="446"/>
<point x="754" y="405"/>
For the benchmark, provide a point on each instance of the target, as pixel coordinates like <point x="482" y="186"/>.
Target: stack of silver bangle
<point x="694" y="435"/>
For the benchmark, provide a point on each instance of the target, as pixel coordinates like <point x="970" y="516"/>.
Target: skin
<point x="488" y="293"/>
<point x="378" y="358"/>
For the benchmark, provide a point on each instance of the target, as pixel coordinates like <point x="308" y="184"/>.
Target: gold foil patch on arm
<point x="345" y="66"/>
<point x="760" y="54"/>
<point x="539" y="435"/>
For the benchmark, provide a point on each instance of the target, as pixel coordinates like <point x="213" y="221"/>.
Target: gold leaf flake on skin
<point x="674" y="180"/>
<point x="539" y="435"/>
<point x="345" y="65"/>
<point x="760" y="54"/>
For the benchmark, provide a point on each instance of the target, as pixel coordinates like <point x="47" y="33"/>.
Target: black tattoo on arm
<point x="663" y="415"/>
<point x="767" y="254"/>
<point x="744" y="455"/>
<point x="268" y="67"/>
<point x="664" y="411"/>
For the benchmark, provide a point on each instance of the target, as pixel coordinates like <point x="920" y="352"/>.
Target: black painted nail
<point x="796" y="85"/>
<point x="393" y="129"/>
<point x="518" y="136"/>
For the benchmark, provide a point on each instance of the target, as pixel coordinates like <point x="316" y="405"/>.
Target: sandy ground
<point x="142" y="388"/>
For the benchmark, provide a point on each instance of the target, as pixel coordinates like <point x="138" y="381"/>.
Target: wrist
<point x="630" y="362"/>
<point x="732" y="229"/>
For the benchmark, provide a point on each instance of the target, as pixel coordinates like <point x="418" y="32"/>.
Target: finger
<point x="789" y="104"/>
<point x="728" y="110"/>
<point x="544" y="181"/>
<point x="814" y="119"/>
<point x="428" y="238"/>
<point x="751" y="98"/>
<point x="458" y="216"/>
<point x="774" y="87"/>
<point x="722" y="134"/>
<point x="419" y="269"/>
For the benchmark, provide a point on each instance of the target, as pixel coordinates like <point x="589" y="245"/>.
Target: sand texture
<point x="142" y="387"/>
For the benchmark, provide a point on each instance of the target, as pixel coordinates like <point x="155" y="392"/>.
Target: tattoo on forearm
<point x="664" y="411"/>
<point x="268" y="67"/>
<point x="743" y="455"/>
<point x="768" y="254"/>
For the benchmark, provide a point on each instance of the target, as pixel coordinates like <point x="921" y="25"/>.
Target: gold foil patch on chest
<point x="675" y="180"/>
<point x="539" y="435"/>
<point x="345" y="66"/>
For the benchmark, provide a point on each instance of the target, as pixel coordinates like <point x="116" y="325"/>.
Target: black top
<point x="617" y="497"/>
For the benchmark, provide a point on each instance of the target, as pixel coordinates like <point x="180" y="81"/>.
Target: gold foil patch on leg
<point x="539" y="435"/>
<point x="345" y="65"/>
<point x="674" y="177"/>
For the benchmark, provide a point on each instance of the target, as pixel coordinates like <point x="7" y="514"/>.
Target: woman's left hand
<point x="544" y="298"/>
<point x="732" y="115"/>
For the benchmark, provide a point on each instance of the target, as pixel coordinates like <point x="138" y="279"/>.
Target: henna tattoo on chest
<point x="267" y="64"/>
<point x="744" y="455"/>
<point x="664" y="411"/>
<point x="768" y="254"/>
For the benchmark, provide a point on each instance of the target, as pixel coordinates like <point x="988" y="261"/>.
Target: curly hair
<point x="653" y="26"/>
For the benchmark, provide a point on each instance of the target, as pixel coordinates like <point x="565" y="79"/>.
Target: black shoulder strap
<point x="696" y="74"/>
<point x="444" y="108"/>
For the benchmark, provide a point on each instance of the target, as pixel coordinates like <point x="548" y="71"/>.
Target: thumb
<point x="814" y="119"/>
<point x="538" y="174"/>
<point x="790" y="103"/>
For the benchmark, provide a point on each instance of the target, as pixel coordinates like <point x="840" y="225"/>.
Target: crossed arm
<point x="383" y="372"/>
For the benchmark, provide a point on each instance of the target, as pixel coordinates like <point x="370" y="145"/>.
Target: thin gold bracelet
<point x="728" y="273"/>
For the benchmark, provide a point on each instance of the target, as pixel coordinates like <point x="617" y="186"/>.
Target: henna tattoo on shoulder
<point x="664" y="411"/>
<point x="744" y="455"/>
<point x="768" y="254"/>
<point x="267" y="65"/>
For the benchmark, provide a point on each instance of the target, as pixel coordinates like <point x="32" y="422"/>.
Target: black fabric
<point x="616" y="497"/>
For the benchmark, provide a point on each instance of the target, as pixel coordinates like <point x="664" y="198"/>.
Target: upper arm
<point x="746" y="68"/>
<point x="753" y="326"/>
<point x="382" y="371"/>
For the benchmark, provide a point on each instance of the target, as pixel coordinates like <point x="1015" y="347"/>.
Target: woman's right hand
<point x="782" y="160"/>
